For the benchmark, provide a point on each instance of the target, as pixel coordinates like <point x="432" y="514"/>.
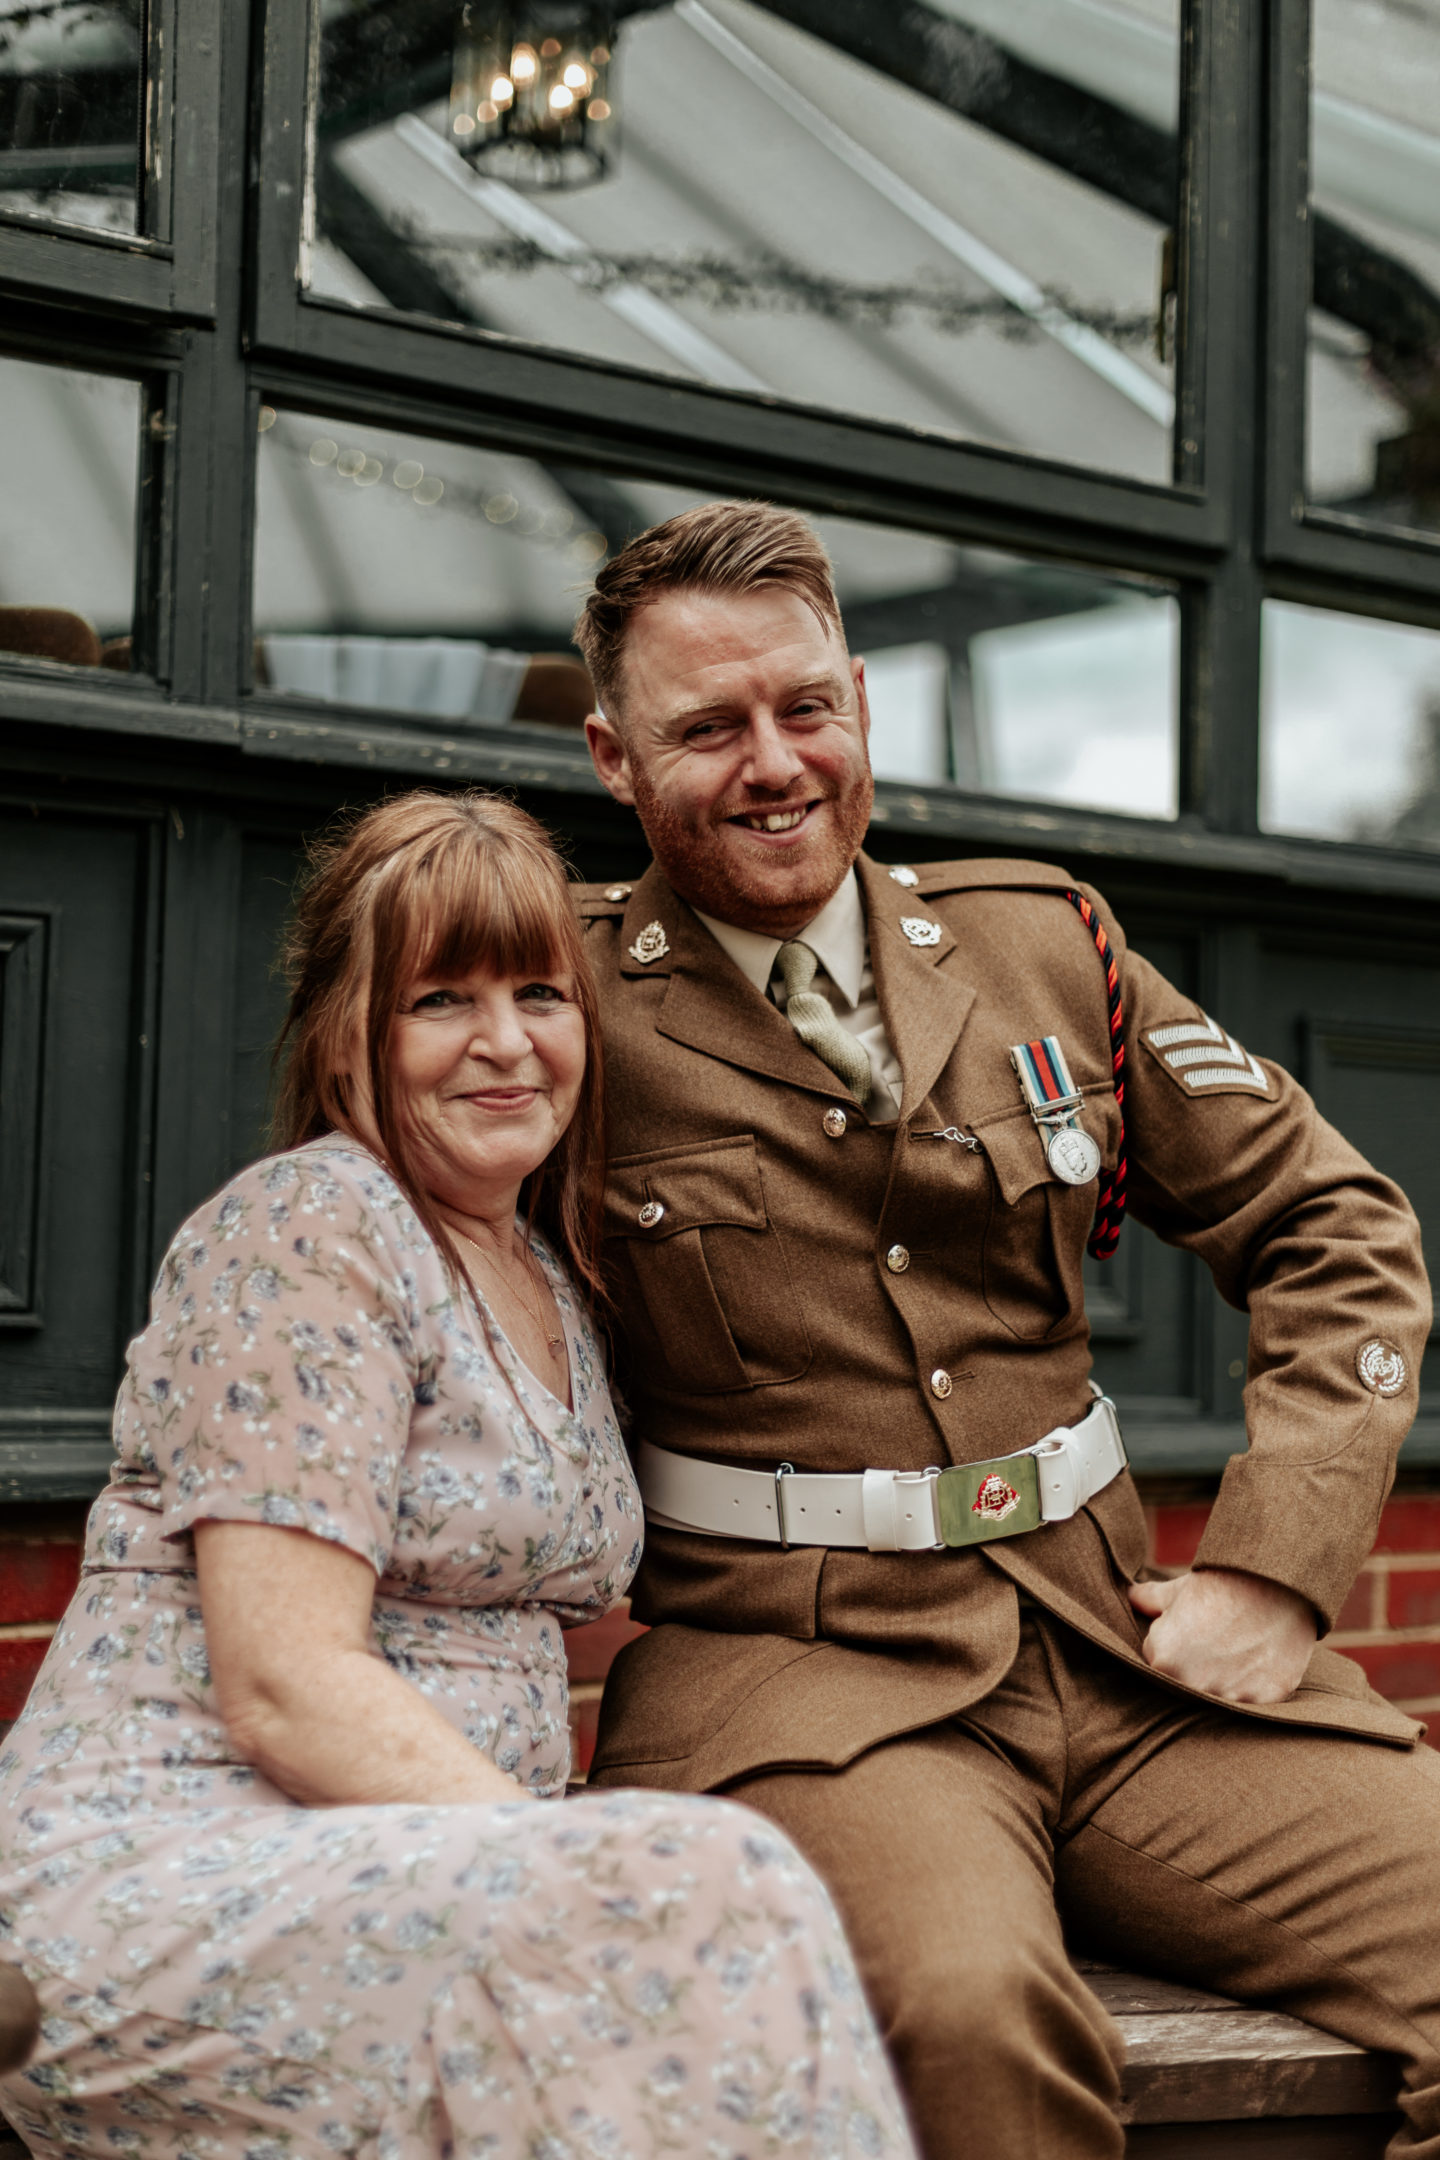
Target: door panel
<point x="76" y="1058"/>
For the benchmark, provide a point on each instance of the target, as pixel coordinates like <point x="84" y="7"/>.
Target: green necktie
<point x="813" y="1019"/>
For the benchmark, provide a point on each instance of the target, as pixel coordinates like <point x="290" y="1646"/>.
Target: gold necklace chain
<point x="553" y="1343"/>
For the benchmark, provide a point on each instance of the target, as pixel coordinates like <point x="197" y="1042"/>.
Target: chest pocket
<point x="700" y="1273"/>
<point x="1036" y="1228"/>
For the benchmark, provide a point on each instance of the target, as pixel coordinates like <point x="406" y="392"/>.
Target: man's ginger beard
<point x="749" y="893"/>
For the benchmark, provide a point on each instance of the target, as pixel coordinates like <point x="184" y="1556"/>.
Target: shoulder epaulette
<point x="977" y="873"/>
<point x="594" y="901"/>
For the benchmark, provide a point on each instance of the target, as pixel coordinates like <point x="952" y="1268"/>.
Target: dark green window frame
<point x="206" y="313"/>
<point x="168" y="267"/>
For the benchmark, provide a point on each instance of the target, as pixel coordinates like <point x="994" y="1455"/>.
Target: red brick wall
<point x="39" y="1568"/>
<point x="1390" y="1623"/>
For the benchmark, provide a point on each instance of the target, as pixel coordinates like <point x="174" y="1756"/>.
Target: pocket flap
<point x="1017" y="1150"/>
<point x="718" y="1182"/>
<point x="1017" y="1154"/>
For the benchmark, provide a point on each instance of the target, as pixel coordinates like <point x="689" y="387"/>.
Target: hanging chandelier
<point x="528" y="98"/>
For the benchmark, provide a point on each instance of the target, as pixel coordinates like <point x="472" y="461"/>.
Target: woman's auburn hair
<point x="435" y="885"/>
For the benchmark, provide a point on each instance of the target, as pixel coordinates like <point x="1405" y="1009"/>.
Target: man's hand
<point x="1233" y="1635"/>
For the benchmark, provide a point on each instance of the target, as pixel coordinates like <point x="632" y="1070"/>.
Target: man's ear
<point x="610" y="757"/>
<point x="862" y="697"/>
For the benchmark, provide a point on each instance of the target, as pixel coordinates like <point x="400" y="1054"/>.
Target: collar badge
<point x="652" y="944"/>
<point x="920" y="930"/>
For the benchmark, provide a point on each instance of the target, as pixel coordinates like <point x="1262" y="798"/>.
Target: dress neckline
<point x="509" y="1357"/>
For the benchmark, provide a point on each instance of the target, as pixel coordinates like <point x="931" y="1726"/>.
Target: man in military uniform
<point x="863" y="1123"/>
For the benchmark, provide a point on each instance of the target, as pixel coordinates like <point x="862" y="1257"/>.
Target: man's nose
<point x="772" y="760"/>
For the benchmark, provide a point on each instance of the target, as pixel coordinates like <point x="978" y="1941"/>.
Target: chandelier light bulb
<point x="526" y="80"/>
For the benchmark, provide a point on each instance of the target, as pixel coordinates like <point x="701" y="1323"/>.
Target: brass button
<point x="651" y="1213"/>
<point x="618" y="892"/>
<point x="904" y="875"/>
<point x="897" y="1259"/>
<point x="834" y="1122"/>
<point x="940" y="1383"/>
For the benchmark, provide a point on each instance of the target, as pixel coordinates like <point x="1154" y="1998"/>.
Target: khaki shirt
<point x="759" y="1321"/>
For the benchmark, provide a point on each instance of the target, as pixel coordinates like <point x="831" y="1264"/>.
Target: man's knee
<point x="1000" y="2002"/>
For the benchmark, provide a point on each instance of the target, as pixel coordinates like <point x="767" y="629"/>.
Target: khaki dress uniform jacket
<point x="761" y="1320"/>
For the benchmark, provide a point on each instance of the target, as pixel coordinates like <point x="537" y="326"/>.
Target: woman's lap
<point x="617" y="1974"/>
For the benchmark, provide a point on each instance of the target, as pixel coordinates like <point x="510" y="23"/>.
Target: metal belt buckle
<point x="979" y="1501"/>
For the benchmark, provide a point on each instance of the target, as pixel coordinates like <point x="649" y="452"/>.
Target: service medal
<point x="1073" y="1155"/>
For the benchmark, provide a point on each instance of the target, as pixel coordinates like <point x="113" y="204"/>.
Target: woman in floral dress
<point x="274" y="1841"/>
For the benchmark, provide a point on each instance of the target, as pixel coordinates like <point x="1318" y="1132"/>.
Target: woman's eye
<point x="433" y="1001"/>
<point x="539" y="993"/>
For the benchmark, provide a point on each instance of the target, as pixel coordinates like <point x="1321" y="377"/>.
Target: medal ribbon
<point x="1045" y="1078"/>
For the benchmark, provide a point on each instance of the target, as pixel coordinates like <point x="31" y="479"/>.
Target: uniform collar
<point x="836" y="936"/>
<point x="924" y="1007"/>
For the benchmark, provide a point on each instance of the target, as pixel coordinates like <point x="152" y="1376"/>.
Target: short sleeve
<point x="277" y="1377"/>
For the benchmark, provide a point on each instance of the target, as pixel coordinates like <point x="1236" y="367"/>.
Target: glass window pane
<point x="955" y="216"/>
<point x="69" y="450"/>
<point x="420" y="576"/>
<point x="71" y="83"/>
<point x="1350" y="728"/>
<point x="1373" y="400"/>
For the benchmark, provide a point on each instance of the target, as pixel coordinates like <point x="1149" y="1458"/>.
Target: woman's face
<point x="488" y="1068"/>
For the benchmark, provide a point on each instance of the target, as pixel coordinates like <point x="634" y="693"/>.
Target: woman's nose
<point x="499" y="1036"/>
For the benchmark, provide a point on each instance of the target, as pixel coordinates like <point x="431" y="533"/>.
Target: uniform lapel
<point x="709" y="1005"/>
<point x="923" y="1007"/>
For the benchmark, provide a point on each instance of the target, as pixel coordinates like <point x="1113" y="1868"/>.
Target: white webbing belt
<point x="881" y="1510"/>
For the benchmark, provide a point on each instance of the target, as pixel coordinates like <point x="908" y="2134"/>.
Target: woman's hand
<point x="303" y="1696"/>
<point x="1230" y="1634"/>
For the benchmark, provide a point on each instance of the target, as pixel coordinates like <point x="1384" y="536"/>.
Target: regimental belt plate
<point x="977" y="1502"/>
<point x="1054" y="1101"/>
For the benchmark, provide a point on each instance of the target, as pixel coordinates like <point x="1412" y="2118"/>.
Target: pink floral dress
<point x="227" y="1976"/>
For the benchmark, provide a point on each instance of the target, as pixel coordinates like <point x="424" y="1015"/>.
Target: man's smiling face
<point x="743" y="746"/>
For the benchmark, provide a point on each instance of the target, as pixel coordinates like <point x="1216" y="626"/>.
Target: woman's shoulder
<point x="328" y="1187"/>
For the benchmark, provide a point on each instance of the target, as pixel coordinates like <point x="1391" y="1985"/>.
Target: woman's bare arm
<point x="304" y="1698"/>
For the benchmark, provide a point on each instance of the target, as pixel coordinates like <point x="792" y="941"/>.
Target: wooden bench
<point x="1207" y="2077"/>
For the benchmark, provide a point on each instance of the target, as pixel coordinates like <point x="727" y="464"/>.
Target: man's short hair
<point x="720" y="547"/>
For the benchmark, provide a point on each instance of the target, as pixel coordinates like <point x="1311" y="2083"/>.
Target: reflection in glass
<point x="69" y="449"/>
<point x="1373" y="401"/>
<point x="418" y="576"/>
<point x="956" y="215"/>
<point x="71" y="81"/>
<point x="1350" y="728"/>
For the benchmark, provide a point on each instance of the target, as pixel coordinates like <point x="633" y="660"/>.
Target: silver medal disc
<point x="1073" y="1155"/>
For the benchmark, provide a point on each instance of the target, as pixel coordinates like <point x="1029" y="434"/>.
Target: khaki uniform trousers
<point x="1254" y="1859"/>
